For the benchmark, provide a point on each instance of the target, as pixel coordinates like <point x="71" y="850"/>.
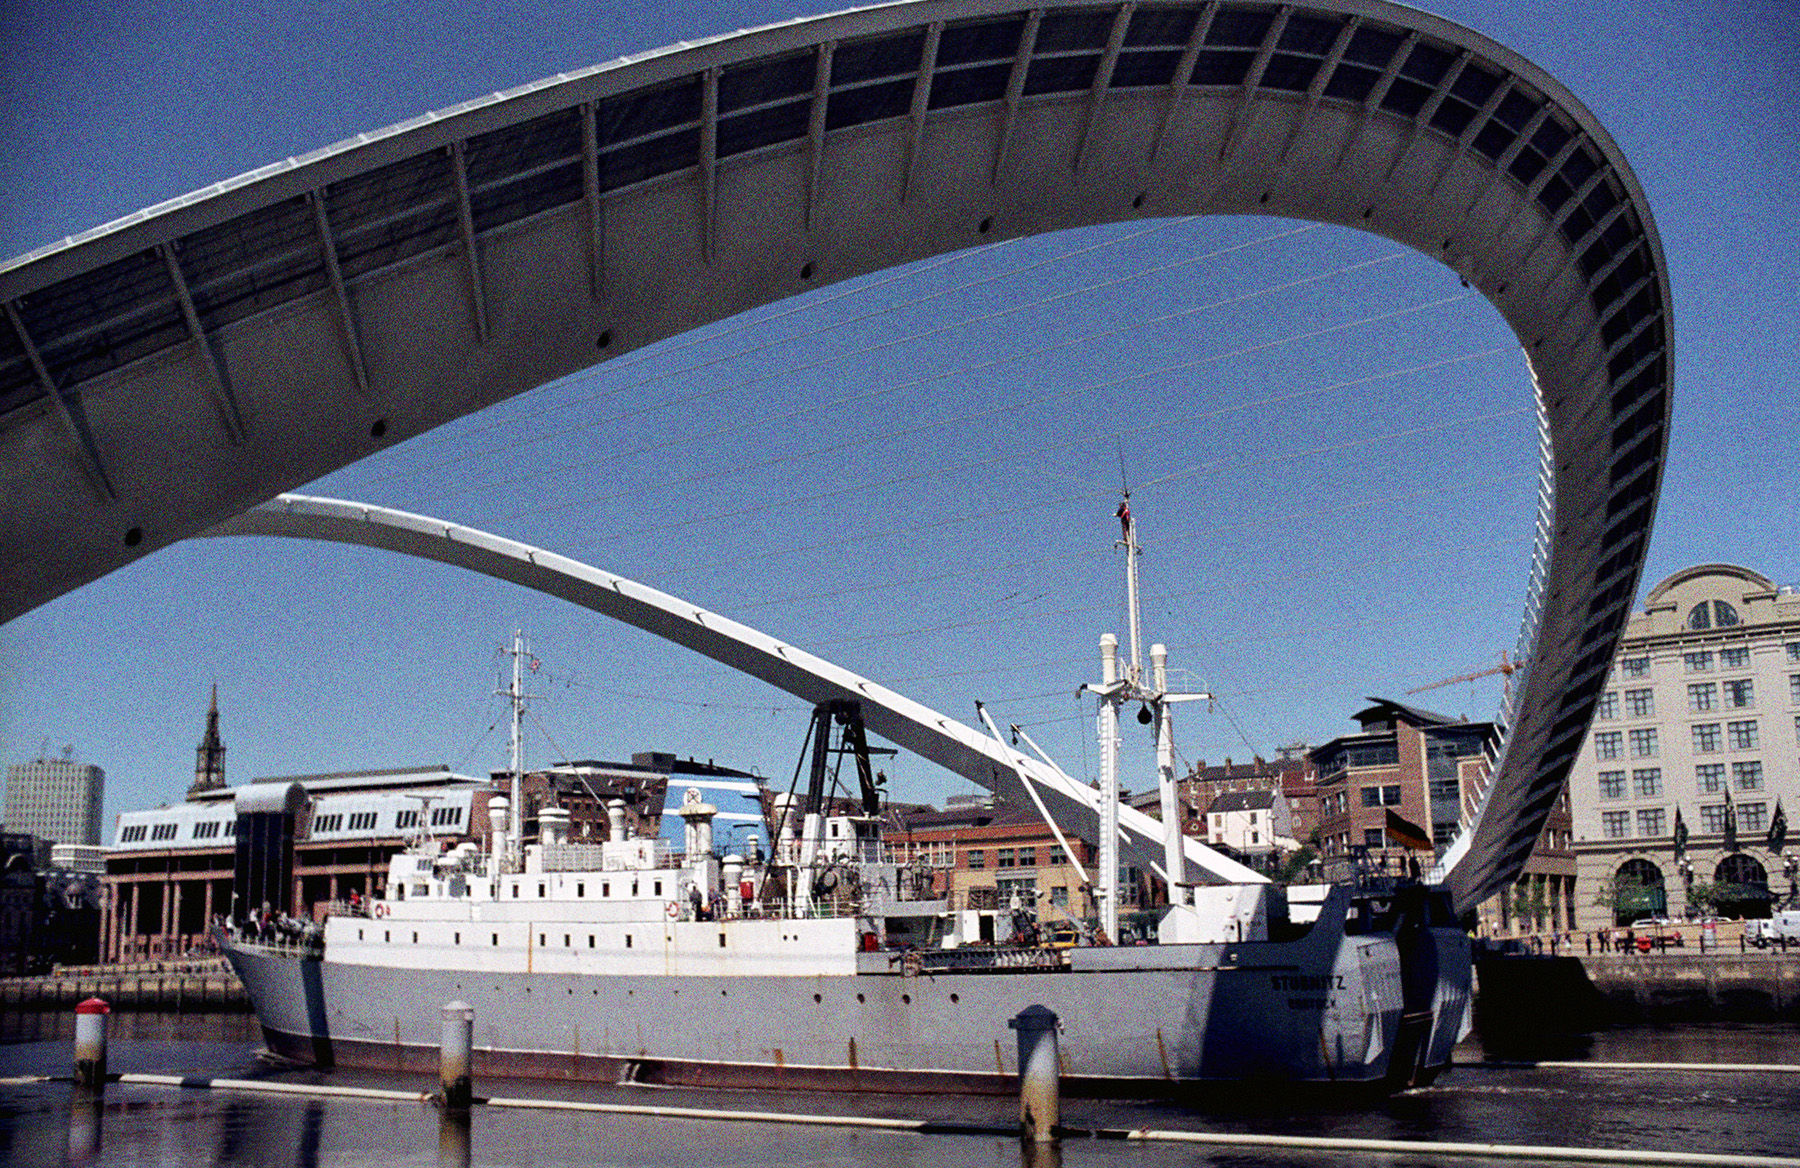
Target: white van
<point x="1784" y="923"/>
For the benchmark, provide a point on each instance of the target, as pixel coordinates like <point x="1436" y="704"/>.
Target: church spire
<point x="209" y="756"/>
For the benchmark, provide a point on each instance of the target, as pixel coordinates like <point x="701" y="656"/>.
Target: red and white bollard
<point x="90" y="1043"/>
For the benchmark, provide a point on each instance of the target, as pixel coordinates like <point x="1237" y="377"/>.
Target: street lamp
<point x="1789" y="868"/>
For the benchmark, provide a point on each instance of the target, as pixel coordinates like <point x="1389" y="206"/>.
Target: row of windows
<point x="1644" y="743"/>
<point x="1653" y="822"/>
<point x="1705" y="660"/>
<point x="1708" y="738"/>
<point x="1741" y="735"/>
<point x="204" y="829"/>
<point x="943" y="854"/>
<point x="568" y="939"/>
<point x="543" y="889"/>
<point x="1739" y="694"/>
<point x="1004" y="858"/>
<point x="1709" y="779"/>
<point x="360" y="821"/>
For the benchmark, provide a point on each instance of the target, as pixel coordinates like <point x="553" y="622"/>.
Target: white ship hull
<point x="1326" y="1007"/>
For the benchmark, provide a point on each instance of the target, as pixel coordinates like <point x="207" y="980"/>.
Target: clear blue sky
<point x="1364" y="534"/>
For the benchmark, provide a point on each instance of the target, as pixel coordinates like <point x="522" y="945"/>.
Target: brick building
<point x="983" y="854"/>
<point x="1292" y="774"/>
<point x="1427" y="770"/>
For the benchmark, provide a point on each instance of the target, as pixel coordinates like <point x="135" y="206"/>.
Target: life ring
<point x="381" y="910"/>
<point x="673" y="909"/>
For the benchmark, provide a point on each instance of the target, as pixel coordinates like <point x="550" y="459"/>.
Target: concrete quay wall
<point x="1694" y="986"/>
<point x="165" y="986"/>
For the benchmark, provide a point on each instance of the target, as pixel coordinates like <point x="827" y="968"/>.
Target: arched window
<point x="1741" y="869"/>
<point x="1711" y="614"/>
<point x="1638" y="892"/>
<point x="1740" y="887"/>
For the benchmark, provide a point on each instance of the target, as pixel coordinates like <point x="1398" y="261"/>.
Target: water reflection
<point x="49" y="1124"/>
<point x="453" y="1139"/>
<point x="85" y="1123"/>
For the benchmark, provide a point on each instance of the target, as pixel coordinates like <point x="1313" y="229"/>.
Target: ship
<point x="828" y="962"/>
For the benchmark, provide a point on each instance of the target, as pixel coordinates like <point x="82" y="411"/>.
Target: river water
<point x="1744" y="1112"/>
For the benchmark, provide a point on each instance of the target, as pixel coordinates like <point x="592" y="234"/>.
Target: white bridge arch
<point x="931" y="735"/>
<point x="165" y="372"/>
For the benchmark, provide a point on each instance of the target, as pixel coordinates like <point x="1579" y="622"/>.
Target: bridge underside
<point x="166" y="372"/>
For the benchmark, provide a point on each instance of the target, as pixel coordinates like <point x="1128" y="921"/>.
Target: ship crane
<point x="1508" y="666"/>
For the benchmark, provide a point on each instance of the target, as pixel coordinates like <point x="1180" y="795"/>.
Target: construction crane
<point x="1508" y="666"/>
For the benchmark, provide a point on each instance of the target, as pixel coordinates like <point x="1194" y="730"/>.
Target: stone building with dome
<point x="1682" y="790"/>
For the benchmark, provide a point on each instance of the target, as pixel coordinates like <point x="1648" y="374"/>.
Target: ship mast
<point x="516" y="695"/>
<point x="1114" y="691"/>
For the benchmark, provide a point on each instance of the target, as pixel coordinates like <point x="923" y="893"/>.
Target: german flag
<point x="1407" y="833"/>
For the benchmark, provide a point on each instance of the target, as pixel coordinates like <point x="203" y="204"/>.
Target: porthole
<point x="986" y="225"/>
<point x="134" y="536"/>
<point x="378" y="429"/>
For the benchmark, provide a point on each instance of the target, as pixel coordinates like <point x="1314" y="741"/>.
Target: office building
<point x="1682" y="790"/>
<point x="55" y="799"/>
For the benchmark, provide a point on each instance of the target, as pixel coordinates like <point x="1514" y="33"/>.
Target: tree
<point x="1293" y="867"/>
<point x="1703" y="895"/>
<point x="1530" y="906"/>
<point x="1629" y="899"/>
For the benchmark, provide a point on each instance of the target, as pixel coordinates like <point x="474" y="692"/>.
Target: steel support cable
<point x="978" y="463"/>
<point x="1355" y="505"/>
<point x="1236" y="694"/>
<point x="750" y="707"/>
<point x="1064" y="556"/>
<point x="971" y="465"/>
<point x="1360" y="504"/>
<point x="973" y="517"/>
<point x="867" y="395"/>
<point x="1201" y="647"/>
<point x="653" y="352"/>
<point x="657" y="351"/>
<point x="1201" y="468"/>
<point x="1083" y="609"/>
